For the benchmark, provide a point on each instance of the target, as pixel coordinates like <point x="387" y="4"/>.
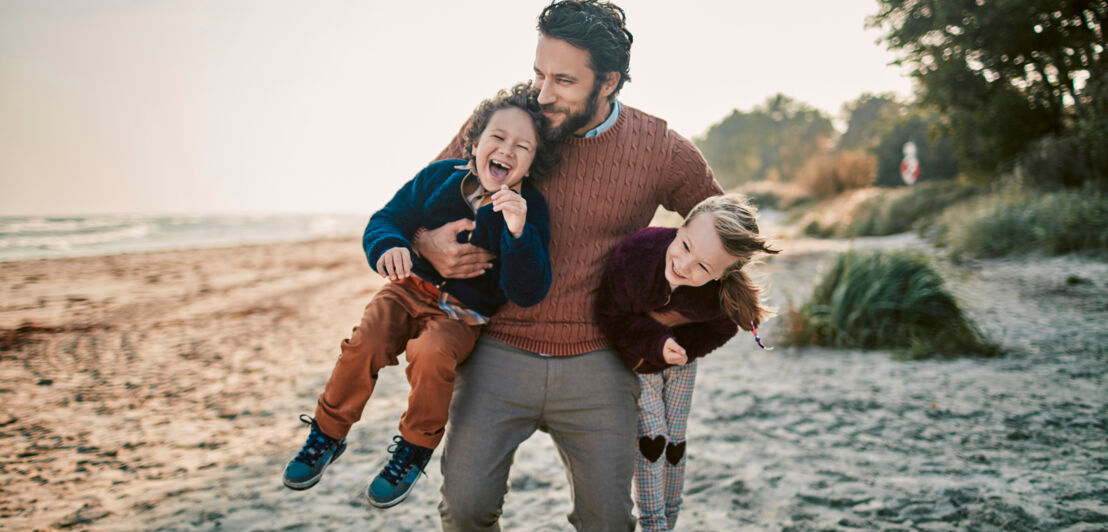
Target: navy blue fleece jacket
<point x="521" y="271"/>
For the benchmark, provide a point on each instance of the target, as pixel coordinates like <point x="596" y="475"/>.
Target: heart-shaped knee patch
<point x="651" y="448"/>
<point x="674" y="452"/>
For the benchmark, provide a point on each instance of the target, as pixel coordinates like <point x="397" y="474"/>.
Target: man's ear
<point x="611" y="80"/>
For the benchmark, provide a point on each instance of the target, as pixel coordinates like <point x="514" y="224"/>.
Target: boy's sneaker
<point x="318" y="452"/>
<point x="396" y="480"/>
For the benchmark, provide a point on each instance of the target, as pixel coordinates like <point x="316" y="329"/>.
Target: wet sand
<point x="160" y="391"/>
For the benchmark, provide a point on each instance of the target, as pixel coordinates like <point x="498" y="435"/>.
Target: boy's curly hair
<point x="523" y="97"/>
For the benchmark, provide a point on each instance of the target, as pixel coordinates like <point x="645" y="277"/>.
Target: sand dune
<point x="160" y="391"/>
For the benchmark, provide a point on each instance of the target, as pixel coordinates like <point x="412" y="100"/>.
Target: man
<point x="548" y="367"/>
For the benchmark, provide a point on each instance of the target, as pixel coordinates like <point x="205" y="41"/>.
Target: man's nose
<point x="545" y="96"/>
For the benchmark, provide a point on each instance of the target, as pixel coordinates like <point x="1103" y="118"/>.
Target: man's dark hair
<point x="523" y="97"/>
<point x="600" y="28"/>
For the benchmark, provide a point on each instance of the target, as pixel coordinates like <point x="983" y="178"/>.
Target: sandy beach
<point x="160" y="391"/>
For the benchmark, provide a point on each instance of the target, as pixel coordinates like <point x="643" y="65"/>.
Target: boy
<point x="435" y="320"/>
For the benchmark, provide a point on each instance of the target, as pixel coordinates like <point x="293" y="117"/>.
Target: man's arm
<point x="440" y="246"/>
<point x="689" y="179"/>
<point x="455" y="150"/>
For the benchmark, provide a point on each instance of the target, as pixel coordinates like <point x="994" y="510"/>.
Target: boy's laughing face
<point x="505" y="149"/>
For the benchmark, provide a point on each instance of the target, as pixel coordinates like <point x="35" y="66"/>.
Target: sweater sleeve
<point x="701" y="338"/>
<point x="525" y="272"/>
<point x="689" y="179"/>
<point x="396" y="222"/>
<point x="637" y="336"/>
<point x="455" y="149"/>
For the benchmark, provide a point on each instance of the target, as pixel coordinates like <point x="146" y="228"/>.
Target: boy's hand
<point x="395" y="263"/>
<point x="514" y="208"/>
<point x="673" y="353"/>
<point x="452" y="260"/>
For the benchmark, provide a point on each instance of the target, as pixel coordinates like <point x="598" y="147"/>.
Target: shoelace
<point x="318" y="443"/>
<point x="402" y="458"/>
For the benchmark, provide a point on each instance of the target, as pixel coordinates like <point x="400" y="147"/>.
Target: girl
<point x="668" y="297"/>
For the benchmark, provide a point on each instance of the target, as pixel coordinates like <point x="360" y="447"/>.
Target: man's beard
<point x="575" y="121"/>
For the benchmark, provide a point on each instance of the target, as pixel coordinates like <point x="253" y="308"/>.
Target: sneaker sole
<point x="389" y="504"/>
<point x="301" y="486"/>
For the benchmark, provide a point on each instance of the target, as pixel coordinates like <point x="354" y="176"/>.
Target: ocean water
<point x="26" y="237"/>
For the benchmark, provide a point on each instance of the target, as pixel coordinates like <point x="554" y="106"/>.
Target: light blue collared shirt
<point x="607" y="124"/>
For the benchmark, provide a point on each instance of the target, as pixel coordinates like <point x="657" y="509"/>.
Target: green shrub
<point x="886" y="301"/>
<point x="765" y="199"/>
<point x="902" y="209"/>
<point x="772" y="194"/>
<point x="1078" y="156"/>
<point x="1017" y="221"/>
<point x="815" y="230"/>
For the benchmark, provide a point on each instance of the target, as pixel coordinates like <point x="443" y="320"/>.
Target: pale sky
<point x="206" y="106"/>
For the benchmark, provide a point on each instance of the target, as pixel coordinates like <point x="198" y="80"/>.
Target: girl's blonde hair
<point x="737" y="226"/>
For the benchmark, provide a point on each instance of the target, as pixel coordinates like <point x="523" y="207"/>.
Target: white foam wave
<point x="71" y="240"/>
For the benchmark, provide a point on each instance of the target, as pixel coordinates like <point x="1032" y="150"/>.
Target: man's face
<point x="567" y="87"/>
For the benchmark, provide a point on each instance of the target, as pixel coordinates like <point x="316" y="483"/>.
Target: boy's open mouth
<point x="498" y="170"/>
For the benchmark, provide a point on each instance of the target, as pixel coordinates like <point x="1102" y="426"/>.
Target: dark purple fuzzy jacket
<point x="634" y="284"/>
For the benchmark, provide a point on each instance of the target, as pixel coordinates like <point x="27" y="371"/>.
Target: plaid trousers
<point x="664" y="401"/>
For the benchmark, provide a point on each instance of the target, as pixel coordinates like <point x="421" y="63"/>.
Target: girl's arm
<point x="703" y="337"/>
<point x="637" y="336"/>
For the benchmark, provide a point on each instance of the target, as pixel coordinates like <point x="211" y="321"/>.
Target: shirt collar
<point x="606" y="124"/>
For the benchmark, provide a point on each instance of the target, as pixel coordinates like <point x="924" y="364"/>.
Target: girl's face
<point x="696" y="254"/>
<point x="505" y="149"/>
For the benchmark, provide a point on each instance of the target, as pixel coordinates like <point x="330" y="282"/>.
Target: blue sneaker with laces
<point x="396" y="480"/>
<point x="318" y="452"/>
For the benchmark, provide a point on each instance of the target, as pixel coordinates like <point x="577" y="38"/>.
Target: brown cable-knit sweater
<point x="604" y="189"/>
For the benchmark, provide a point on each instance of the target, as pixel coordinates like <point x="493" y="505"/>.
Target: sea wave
<point x="43" y="236"/>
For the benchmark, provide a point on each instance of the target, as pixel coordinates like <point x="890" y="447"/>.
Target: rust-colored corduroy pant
<point x="400" y="318"/>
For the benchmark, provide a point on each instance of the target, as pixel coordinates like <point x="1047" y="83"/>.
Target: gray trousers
<point x="502" y="395"/>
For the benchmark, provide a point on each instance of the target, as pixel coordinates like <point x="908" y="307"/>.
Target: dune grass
<point x="907" y="208"/>
<point x="886" y="301"/>
<point x="1018" y="221"/>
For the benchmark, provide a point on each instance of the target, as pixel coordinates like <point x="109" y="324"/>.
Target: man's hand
<point x="673" y="353"/>
<point x="440" y="247"/>
<point x="514" y="208"/>
<point x="395" y="263"/>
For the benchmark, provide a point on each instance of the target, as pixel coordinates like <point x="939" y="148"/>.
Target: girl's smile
<point x="696" y="255"/>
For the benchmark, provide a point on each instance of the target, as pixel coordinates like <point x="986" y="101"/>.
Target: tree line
<point x="1012" y="87"/>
